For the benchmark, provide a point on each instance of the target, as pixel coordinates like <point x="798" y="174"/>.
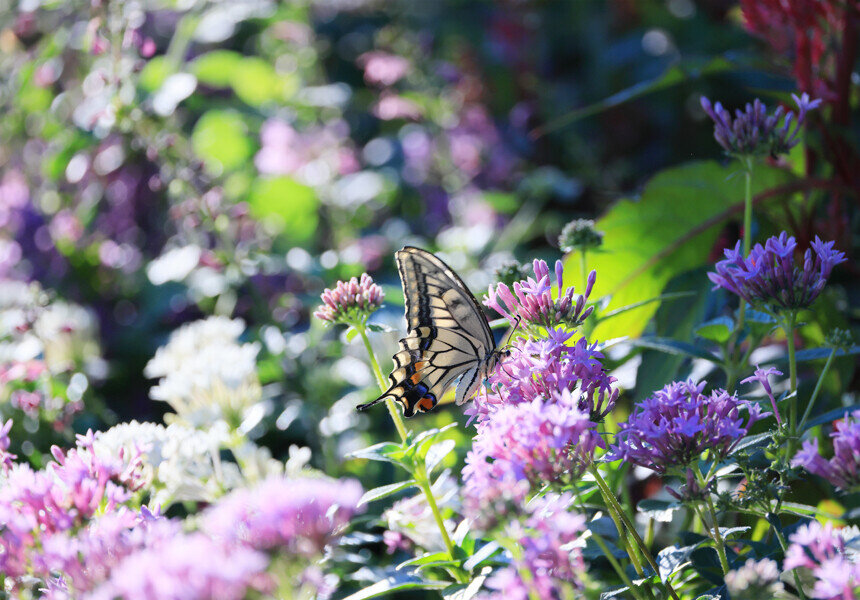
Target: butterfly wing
<point x="448" y="335"/>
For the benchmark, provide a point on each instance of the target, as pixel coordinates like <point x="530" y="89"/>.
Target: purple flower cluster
<point x="63" y="496"/>
<point x="6" y="458"/>
<point x="821" y="549"/>
<point x="187" y="567"/>
<point x="540" y="368"/>
<point x="350" y="301"/>
<point x="532" y="300"/>
<point x="549" y="553"/>
<point x="753" y="132"/>
<point x="524" y="446"/>
<point x="769" y="276"/>
<point x="300" y="515"/>
<point x="843" y="470"/>
<point x="677" y="424"/>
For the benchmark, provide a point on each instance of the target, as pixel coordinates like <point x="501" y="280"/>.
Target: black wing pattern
<point x="448" y="336"/>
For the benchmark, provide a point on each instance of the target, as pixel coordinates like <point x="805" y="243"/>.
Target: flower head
<point x="677" y="424"/>
<point x="350" y="301"/>
<point x="761" y="376"/>
<point x="532" y="299"/>
<point x="6" y="458"/>
<point x="755" y="580"/>
<point x="579" y="234"/>
<point x="821" y="548"/>
<point x="526" y="445"/>
<point x="770" y="277"/>
<point x="510" y="272"/>
<point x="843" y="470"/>
<point x="753" y="132"/>
<point x="550" y="553"/>
<point x="300" y="514"/>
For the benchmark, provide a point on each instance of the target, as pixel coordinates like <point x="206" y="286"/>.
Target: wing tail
<point x="367" y="405"/>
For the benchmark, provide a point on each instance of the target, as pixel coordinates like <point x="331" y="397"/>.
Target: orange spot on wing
<point x="426" y="403"/>
<point x="416" y="377"/>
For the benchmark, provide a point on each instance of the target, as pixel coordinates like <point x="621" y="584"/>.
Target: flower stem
<point x="583" y="265"/>
<point x="620" y="571"/>
<point x="816" y="390"/>
<point x="748" y="173"/>
<point x="380" y="380"/>
<point x="718" y="538"/>
<point x="788" y="327"/>
<point x="610" y="499"/>
<point x="782" y="543"/>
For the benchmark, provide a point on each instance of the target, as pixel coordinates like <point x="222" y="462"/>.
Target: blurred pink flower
<point x="381" y="68"/>
<point x="390" y="107"/>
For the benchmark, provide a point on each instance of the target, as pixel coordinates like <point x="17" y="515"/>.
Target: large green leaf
<point x="221" y="139"/>
<point x="287" y="207"/>
<point x="670" y="229"/>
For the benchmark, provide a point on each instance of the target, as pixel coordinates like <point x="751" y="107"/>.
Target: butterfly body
<point x="448" y="336"/>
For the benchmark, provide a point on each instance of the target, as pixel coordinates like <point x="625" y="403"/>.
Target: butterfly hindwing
<point x="448" y="338"/>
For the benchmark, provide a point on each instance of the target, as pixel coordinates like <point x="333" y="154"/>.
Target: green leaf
<point x="437" y="453"/>
<point x="707" y="564"/>
<point x="216" y="68"/>
<point x="458" y="591"/>
<point x="759" y="439"/>
<point x="485" y="552"/>
<point x="383" y="452"/>
<point x="154" y="73"/>
<point x="672" y="559"/>
<point x="759" y="323"/>
<point x="351" y="334"/>
<point x="680" y="72"/>
<point x="375" y="327"/>
<point x="255" y="82"/>
<point x="287" y="207"/>
<point x="815" y="354"/>
<point x="624" y="309"/>
<point x="717" y="330"/>
<point x="671" y="229"/>
<point x="830" y="415"/>
<point x="392" y="584"/>
<point x="220" y="138"/>
<point x="385" y="491"/>
<point x="426" y="559"/>
<point x="675" y="347"/>
<point x="659" y="510"/>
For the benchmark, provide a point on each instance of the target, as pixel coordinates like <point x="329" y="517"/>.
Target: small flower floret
<point x="843" y="470"/>
<point x="350" y="301"/>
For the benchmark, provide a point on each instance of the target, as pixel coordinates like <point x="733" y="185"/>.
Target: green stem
<point x="583" y="265"/>
<point x="817" y="389"/>
<point x="784" y="547"/>
<point x="607" y="494"/>
<point x="623" y="538"/>
<point x="615" y="565"/>
<point x="748" y="173"/>
<point x="718" y="538"/>
<point x="380" y="380"/>
<point x="731" y="372"/>
<point x="788" y="328"/>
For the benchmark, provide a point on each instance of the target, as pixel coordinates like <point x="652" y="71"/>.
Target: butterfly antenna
<point x="511" y="334"/>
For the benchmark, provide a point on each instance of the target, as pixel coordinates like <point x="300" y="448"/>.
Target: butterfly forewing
<point x="448" y="335"/>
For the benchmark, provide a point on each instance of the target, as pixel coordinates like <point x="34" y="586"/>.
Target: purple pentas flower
<point x="300" y="514"/>
<point x="6" y="458"/>
<point x="524" y="446"/>
<point x="754" y="132"/>
<point x="350" y="301"/>
<point x="843" y="470"/>
<point x="676" y="425"/>
<point x="543" y="367"/>
<point x="821" y="549"/>
<point x="532" y="301"/>
<point x="769" y="277"/>
<point x="761" y="376"/>
<point x="550" y="557"/>
<point x="187" y="567"/>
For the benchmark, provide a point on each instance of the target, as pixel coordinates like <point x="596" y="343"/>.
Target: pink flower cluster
<point x="532" y="300"/>
<point x="843" y="470"/>
<point x="821" y="549"/>
<point x="550" y="555"/>
<point x="350" y="301"/>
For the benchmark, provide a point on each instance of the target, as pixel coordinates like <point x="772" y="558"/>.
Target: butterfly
<point x="448" y="336"/>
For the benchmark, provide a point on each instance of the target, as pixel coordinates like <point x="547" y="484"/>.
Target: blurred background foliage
<point x="162" y="161"/>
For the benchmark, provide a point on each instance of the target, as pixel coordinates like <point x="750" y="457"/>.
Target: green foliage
<point x="222" y="140"/>
<point x="289" y="208"/>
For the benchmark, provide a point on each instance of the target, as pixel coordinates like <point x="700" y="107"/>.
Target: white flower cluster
<point x="205" y="374"/>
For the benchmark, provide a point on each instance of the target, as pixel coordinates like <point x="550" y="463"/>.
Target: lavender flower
<point x="301" y="514"/>
<point x="350" y="302"/>
<point x="550" y="554"/>
<point x="6" y="458"/>
<point x="532" y="299"/>
<point x="761" y="376"/>
<point x="677" y="424"/>
<point x="821" y="549"/>
<point x="769" y="277"/>
<point x="536" y="442"/>
<point x="755" y="580"/>
<point x="843" y="470"/>
<point x="186" y="567"/>
<point x="753" y="132"/>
